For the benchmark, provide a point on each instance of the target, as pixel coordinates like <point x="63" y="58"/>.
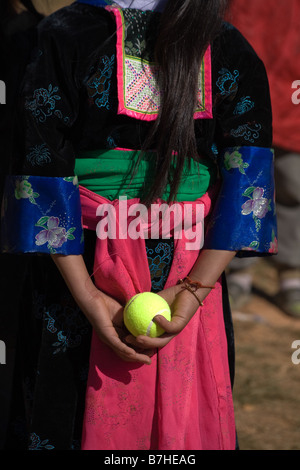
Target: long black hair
<point x="186" y="29"/>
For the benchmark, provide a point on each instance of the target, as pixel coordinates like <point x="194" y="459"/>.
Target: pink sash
<point x="183" y="400"/>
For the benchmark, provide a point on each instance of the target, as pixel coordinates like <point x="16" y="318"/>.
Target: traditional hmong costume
<point x="90" y="96"/>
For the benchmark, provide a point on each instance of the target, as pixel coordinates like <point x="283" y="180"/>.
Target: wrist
<point x="197" y="283"/>
<point x="191" y="301"/>
<point x="191" y="294"/>
<point x="198" y="290"/>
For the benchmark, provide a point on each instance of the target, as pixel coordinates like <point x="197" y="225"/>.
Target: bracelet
<point x="198" y="284"/>
<point x="191" y="289"/>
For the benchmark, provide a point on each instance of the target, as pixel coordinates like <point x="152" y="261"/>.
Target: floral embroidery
<point x="256" y="204"/>
<point x="99" y="86"/>
<point x="235" y="160"/>
<point x="243" y="106"/>
<point x="52" y="234"/>
<point x="65" y="322"/>
<point x="253" y="246"/>
<point x="68" y="325"/>
<point x="227" y="82"/>
<point x="50" y="323"/>
<point x="159" y="264"/>
<point x="273" y="244"/>
<point x="139" y="95"/>
<point x="214" y="149"/>
<point x="250" y="133"/>
<point x="43" y="104"/>
<point x="76" y="445"/>
<point x="61" y="344"/>
<point x="24" y="191"/>
<point x="135" y="49"/>
<point x="111" y="143"/>
<point x="71" y="179"/>
<point x="39" y="155"/>
<point x="136" y="27"/>
<point x="64" y="342"/>
<point x="37" y="444"/>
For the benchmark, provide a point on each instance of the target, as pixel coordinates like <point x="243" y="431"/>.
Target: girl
<point x="148" y="102"/>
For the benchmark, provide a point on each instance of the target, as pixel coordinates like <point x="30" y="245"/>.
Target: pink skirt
<point x="183" y="400"/>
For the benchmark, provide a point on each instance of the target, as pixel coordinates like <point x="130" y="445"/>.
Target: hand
<point x="106" y="317"/>
<point x="104" y="313"/>
<point x="183" y="307"/>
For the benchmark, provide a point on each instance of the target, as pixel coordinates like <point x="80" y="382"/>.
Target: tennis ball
<point x="140" y="311"/>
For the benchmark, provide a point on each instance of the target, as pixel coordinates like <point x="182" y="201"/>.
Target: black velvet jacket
<point x="63" y="108"/>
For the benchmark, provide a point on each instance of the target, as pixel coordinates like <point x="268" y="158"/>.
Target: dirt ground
<point x="266" y="390"/>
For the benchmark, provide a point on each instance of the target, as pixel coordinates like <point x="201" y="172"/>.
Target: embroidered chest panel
<point x="138" y="91"/>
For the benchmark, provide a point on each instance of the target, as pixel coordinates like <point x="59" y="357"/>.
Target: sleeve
<point x="41" y="209"/>
<point x="244" y="215"/>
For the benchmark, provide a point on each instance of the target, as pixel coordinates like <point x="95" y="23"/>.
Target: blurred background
<point x="266" y="389"/>
<point x="265" y="294"/>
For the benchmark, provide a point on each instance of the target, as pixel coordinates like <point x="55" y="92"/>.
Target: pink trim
<point x="120" y="70"/>
<point x="122" y="109"/>
<point x="119" y="48"/>
<point x="207" y="113"/>
<point x="124" y="150"/>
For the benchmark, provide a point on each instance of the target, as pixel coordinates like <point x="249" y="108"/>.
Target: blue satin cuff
<point x="41" y="215"/>
<point x="244" y="216"/>
<point x="96" y="3"/>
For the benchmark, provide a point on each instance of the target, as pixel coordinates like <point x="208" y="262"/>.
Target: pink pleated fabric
<point x="183" y="400"/>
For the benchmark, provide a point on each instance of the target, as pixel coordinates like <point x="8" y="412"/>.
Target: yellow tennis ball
<point x="140" y="311"/>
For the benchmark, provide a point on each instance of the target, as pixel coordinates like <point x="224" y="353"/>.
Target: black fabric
<point x="75" y="45"/>
<point x="30" y="7"/>
<point x="17" y="40"/>
<point x="47" y="405"/>
<point x="51" y="365"/>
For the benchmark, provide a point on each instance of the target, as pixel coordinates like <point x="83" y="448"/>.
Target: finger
<point x="149" y="350"/>
<point x="127" y="353"/>
<point x="108" y="335"/>
<point x="142" y="344"/>
<point x="130" y="355"/>
<point x="146" y="342"/>
<point x="174" y="326"/>
<point x="135" y="357"/>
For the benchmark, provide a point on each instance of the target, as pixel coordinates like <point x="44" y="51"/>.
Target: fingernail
<point x="129" y="340"/>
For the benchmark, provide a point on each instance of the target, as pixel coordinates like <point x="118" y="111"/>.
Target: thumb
<point x="174" y="326"/>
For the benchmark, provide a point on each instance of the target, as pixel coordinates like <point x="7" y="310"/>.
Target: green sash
<point x="109" y="174"/>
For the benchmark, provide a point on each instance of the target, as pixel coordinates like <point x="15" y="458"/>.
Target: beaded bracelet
<point x="193" y="286"/>
<point x="190" y="289"/>
<point x="198" y="284"/>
